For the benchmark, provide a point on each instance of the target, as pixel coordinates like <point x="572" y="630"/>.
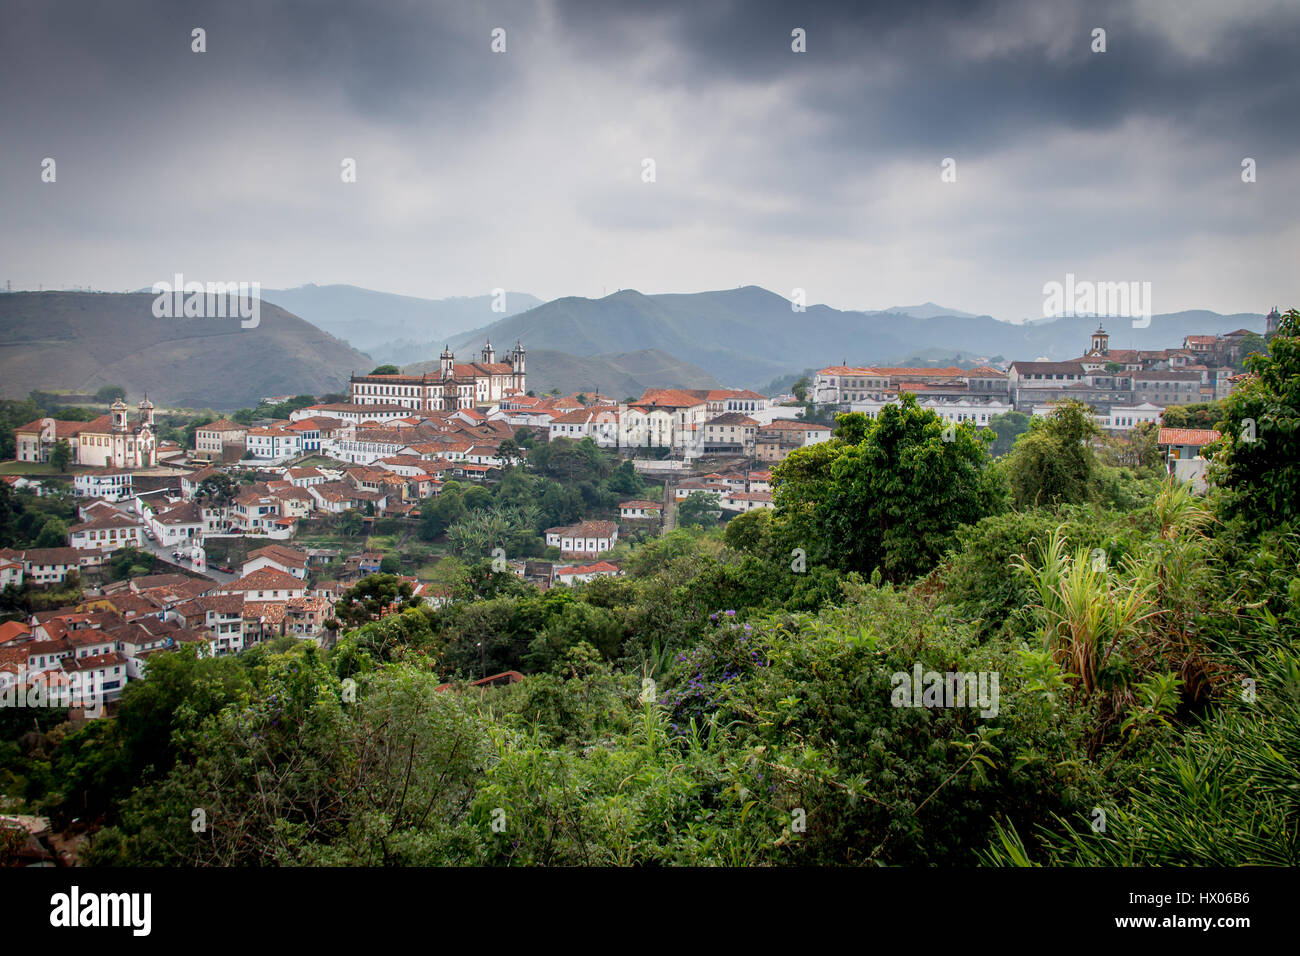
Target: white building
<point x="109" y="485"/>
<point x="975" y="411"/>
<point x="106" y="532"/>
<point x="585" y="539"/>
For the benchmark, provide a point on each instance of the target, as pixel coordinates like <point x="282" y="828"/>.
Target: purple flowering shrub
<point x="705" y="678"/>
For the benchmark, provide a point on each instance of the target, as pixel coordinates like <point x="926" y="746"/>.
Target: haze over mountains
<point x="620" y="344"/>
<point x="84" y="340"/>
<point x="386" y="326"/>
<point x="749" y="336"/>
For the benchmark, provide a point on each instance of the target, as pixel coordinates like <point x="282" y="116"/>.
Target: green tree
<point x="390" y="564"/>
<point x="1053" y="463"/>
<point x="1196" y="415"/>
<point x="61" y="455"/>
<point x="1252" y="343"/>
<point x="217" y="490"/>
<point x="440" y="513"/>
<point x="509" y="452"/>
<point x="1257" y="459"/>
<point x="351" y="523"/>
<point x="386" y="370"/>
<point x="1007" y="427"/>
<point x="888" y="493"/>
<point x="54" y="534"/>
<point x="373" y="597"/>
<point x="700" y="508"/>
<point x="110" y="393"/>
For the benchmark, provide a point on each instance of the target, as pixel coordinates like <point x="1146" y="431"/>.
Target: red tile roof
<point x="1186" y="436"/>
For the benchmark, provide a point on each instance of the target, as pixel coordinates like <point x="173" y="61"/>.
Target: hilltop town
<point x="255" y="532"/>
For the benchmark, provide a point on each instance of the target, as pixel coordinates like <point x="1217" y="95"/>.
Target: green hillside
<point x="83" y="340"/>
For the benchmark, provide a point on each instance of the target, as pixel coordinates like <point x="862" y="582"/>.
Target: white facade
<point x="963" y="410"/>
<point x="111" y="486"/>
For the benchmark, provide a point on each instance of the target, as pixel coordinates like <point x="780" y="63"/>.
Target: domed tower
<point x="118" y="411"/>
<point x="1100" y="341"/>
<point x="489" y="353"/>
<point x="1271" y="321"/>
<point x="146" y="411"/>
<point x="447" y="363"/>
<point x="517" y="363"/>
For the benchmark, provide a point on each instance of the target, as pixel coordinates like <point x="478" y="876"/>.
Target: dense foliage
<point x="893" y="667"/>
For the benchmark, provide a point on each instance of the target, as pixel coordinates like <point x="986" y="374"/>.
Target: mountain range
<point x="749" y="336"/>
<point x="84" y="340"/>
<point x="620" y="344"/>
<point x="388" y="327"/>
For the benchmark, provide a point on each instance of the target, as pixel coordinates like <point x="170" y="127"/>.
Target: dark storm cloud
<point x="973" y="72"/>
<point x="777" y="168"/>
<point x="400" y="60"/>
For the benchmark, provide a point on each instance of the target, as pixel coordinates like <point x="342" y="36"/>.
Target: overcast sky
<point x="523" y="170"/>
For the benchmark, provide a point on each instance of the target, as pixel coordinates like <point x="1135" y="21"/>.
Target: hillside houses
<point x="1122" y="385"/>
<point x="105" y="642"/>
<point x="586" y="539"/>
<point x="775" y="441"/>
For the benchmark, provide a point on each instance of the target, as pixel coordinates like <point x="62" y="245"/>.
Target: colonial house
<point x="109" y="484"/>
<point x="586" y="572"/>
<point x="732" y="433"/>
<point x="11" y="572"/>
<point x="266" y="584"/>
<point x="639" y="510"/>
<point x="51" y="565"/>
<point x="1182" y="447"/>
<point x="176" y="522"/>
<point x="350" y="414"/>
<point x="315" y="431"/>
<point x="106" y="532"/>
<point x="456" y="385"/>
<point x="305" y="477"/>
<point x="285" y="559"/>
<point x="254" y="511"/>
<point x="976" y="411"/>
<point x="743" y="501"/>
<point x="776" y="440"/>
<point x="585" y="539"/>
<point x="686" y="412"/>
<point x="305" y="617"/>
<point x="274" y="443"/>
<point x="598" y="424"/>
<point x="110" y="441"/>
<point x="211" y="439"/>
<point x="221" y="616"/>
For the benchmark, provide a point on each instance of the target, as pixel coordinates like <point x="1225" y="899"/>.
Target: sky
<point x="525" y="169"/>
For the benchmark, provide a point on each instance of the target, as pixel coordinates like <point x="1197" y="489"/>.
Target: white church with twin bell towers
<point x="455" y="385"/>
<point x="110" y="441"/>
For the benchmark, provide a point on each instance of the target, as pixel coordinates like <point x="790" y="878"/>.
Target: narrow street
<point x="670" y="506"/>
<point x="164" y="554"/>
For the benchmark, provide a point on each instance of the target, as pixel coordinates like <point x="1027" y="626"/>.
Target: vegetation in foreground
<point x="735" y="699"/>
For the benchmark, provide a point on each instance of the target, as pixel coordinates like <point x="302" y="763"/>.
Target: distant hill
<point x="83" y="340"/>
<point x="750" y="336"/>
<point x="386" y="326"/>
<point x="617" y="375"/>
<point x="926" y="310"/>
